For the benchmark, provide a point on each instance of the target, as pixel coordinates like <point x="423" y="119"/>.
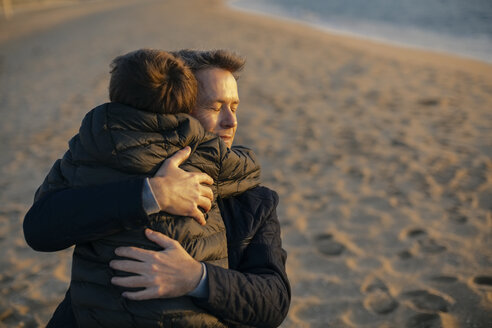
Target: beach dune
<point x="382" y="156"/>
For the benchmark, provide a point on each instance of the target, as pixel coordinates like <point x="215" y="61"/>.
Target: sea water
<point x="461" y="27"/>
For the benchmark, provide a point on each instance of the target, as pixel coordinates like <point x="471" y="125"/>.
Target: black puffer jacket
<point x="254" y="291"/>
<point x="116" y="142"/>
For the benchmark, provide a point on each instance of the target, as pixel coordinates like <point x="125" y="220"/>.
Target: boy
<point x="151" y="93"/>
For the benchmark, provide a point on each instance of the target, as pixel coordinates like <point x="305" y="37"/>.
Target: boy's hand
<point x="179" y="192"/>
<point x="171" y="272"/>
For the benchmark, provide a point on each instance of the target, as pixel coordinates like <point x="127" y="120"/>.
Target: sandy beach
<point x="382" y="156"/>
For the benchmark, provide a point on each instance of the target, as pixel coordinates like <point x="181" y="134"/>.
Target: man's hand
<point x="179" y="192"/>
<point x="168" y="273"/>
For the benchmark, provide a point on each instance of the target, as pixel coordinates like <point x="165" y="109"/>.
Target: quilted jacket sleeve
<point x="53" y="181"/>
<point x="240" y="171"/>
<point x="67" y="217"/>
<point x="255" y="291"/>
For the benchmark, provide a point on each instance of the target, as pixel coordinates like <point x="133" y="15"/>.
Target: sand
<point x="381" y="156"/>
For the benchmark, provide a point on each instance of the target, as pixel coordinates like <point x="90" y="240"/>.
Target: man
<point x="254" y="291"/>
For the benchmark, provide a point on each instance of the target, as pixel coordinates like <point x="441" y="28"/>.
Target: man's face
<point x="217" y="103"/>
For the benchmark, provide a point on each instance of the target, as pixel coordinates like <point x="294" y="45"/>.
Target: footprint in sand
<point x="455" y="216"/>
<point x="327" y="246"/>
<point x="444" y="279"/>
<point x="485" y="281"/>
<point x="425" y="242"/>
<point x="405" y="255"/>
<point x="429" y="102"/>
<point x="426" y="301"/>
<point x="424" y="320"/>
<point x="378" y="298"/>
<point x="414" y="233"/>
<point x="429" y="245"/>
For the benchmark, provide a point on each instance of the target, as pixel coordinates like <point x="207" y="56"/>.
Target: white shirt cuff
<point x="149" y="202"/>
<point x="201" y="290"/>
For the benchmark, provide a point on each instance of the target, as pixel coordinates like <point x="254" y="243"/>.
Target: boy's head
<point x="153" y="81"/>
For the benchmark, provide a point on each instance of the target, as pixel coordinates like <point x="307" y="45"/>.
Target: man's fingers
<point x="127" y="266"/>
<point x="198" y="216"/>
<point x="160" y="239"/>
<point x="204" y="178"/>
<point x="207" y="192"/>
<point x="180" y="156"/>
<point x="132" y="253"/>
<point x="145" y="294"/>
<point x="131" y="281"/>
<point x="205" y="203"/>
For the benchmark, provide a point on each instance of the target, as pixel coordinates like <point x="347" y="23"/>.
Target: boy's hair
<point x="154" y="81"/>
<point x="219" y="58"/>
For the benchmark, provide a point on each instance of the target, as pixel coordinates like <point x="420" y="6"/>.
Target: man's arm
<point x="71" y="216"/>
<point x="257" y="293"/>
<point x="66" y="217"/>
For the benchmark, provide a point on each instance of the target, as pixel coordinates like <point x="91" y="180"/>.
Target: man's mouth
<point x="227" y="139"/>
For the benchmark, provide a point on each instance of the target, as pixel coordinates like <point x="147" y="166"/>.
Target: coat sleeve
<point x="240" y="171"/>
<point x="258" y="292"/>
<point x="53" y="181"/>
<point x="67" y="217"/>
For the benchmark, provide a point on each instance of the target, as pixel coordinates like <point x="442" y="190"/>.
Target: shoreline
<point x="367" y="43"/>
<point x="484" y="57"/>
<point x="380" y="49"/>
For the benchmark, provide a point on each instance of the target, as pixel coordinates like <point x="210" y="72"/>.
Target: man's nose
<point x="229" y="119"/>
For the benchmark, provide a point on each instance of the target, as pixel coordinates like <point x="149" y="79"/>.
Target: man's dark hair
<point x="224" y="59"/>
<point x="153" y="81"/>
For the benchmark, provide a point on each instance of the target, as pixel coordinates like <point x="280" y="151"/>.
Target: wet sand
<point x="381" y="156"/>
